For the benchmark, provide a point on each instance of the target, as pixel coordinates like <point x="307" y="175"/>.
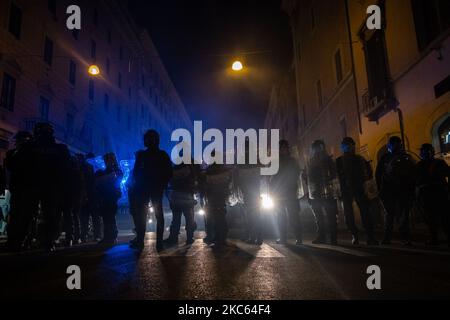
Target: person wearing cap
<point x="395" y="176"/>
<point x="20" y="187"/>
<point x="353" y="172"/>
<point x="151" y="174"/>
<point x="432" y="192"/>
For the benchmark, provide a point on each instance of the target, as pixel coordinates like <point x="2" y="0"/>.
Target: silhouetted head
<point x="395" y="144"/>
<point x="90" y="155"/>
<point x="317" y="147"/>
<point x="43" y="130"/>
<point x="80" y="157"/>
<point x="285" y="149"/>
<point x="348" y="145"/>
<point x="22" y="137"/>
<point x="151" y="139"/>
<point x="110" y="161"/>
<point x="427" y="152"/>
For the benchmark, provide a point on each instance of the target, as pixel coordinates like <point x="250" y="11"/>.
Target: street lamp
<point x="94" y="70"/>
<point x="237" y="66"/>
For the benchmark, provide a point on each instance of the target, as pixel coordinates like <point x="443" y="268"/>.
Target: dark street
<point x="238" y="272"/>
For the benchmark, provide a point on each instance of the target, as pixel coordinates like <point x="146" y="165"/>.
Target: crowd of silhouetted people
<point x="53" y="192"/>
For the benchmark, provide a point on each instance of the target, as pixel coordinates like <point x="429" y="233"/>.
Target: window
<point x="106" y="103"/>
<point x="44" y="108"/>
<point x="48" y="51"/>
<point x="108" y="65"/>
<point x="15" y="20"/>
<point x="142" y="111"/>
<point x="72" y="73"/>
<point x="7" y="99"/>
<point x="442" y="87"/>
<point x="91" y="90"/>
<point x="129" y="123"/>
<point x="121" y="53"/>
<point x="69" y="125"/>
<point x="444" y="136"/>
<point x="93" y="49"/>
<point x="432" y="18"/>
<point x="52" y="7"/>
<point x="319" y="94"/>
<point x="96" y="17"/>
<point x="129" y="93"/>
<point x="119" y="82"/>
<point x="338" y="66"/>
<point x="109" y="36"/>
<point x="143" y="80"/>
<point x="376" y="65"/>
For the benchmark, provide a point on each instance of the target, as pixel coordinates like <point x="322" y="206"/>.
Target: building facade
<point x="372" y="84"/>
<point x="44" y="77"/>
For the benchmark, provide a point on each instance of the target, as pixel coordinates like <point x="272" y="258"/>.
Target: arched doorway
<point x="444" y="136"/>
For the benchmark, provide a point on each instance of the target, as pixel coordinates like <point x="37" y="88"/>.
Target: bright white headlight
<point x="267" y="202"/>
<point x="201" y="212"/>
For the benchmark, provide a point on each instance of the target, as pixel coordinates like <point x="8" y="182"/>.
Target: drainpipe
<point x="402" y="126"/>
<point x="352" y="57"/>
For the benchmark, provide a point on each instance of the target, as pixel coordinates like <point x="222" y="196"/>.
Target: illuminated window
<point x="444" y="136"/>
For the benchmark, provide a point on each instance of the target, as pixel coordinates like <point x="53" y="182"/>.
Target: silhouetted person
<point x="88" y="209"/>
<point x="284" y="189"/>
<point x="432" y="190"/>
<point x="182" y="188"/>
<point x="17" y="164"/>
<point x="107" y="185"/>
<point x="353" y="172"/>
<point x="215" y="193"/>
<point x="50" y="163"/>
<point x="151" y="174"/>
<point x="322" y="192"/>
<point x="395" y="175"/>
<point x="73" y="201"/>
<point x="248" y="180"/>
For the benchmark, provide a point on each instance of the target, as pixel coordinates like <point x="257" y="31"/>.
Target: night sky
<point x="198" y="40"/>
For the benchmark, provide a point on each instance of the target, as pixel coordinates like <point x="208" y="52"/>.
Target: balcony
<point x="375" y="107"/>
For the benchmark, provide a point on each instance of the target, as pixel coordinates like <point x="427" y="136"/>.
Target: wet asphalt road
<point x="239" y="271"/>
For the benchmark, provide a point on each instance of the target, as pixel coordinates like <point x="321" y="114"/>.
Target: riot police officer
<point x="248" y="180"/>
<point x="20" y="185"/>
<point x="322" y="192"/>
<point x="284" y="189"/>
<point x="353" y="171"/>
<point x="151" y="173"/>
<point x="395" y="175"/>
<point x="50" y="169"/>
<point x="215" y="193"/>
<point x="181" y="191"/>
<point x="88" y="210"/>
<point x="107" y="184"/>
<point x="432" y="191"/>
<point x="73" y="201"/>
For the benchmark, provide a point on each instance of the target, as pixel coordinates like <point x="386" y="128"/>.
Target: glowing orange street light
<point x="237" y="66"/>
<point x="94" y="70"/>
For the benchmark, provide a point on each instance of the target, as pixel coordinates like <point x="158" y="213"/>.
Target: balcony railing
<point x="375" y="107"/>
